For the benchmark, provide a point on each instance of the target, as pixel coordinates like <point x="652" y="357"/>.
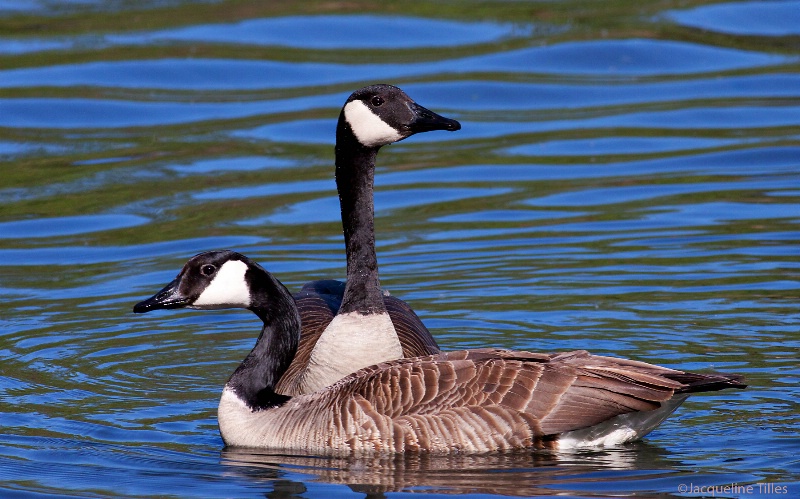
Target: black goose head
<point x="381" y="114"/>
<point x="211" y="280"/>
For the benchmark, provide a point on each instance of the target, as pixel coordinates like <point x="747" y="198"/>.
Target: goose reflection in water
<point x="518" y="474"/>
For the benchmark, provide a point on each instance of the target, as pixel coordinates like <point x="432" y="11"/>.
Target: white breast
<point x="351" y="342"/>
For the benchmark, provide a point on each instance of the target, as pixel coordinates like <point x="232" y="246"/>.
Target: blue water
<point x="627" y="181"/>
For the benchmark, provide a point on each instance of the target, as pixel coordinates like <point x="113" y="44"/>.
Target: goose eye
<point x="208" y="270"/>
<point x="377" y="101"/>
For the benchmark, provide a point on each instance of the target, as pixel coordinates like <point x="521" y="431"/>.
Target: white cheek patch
<point x="368" y="128"/>
<point x="229" y="288"/>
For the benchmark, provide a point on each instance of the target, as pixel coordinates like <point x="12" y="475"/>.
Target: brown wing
<point x="318" y="302"/>
<point x="559" y="392"/>
<point x="690" y="382"/>
<point x="414" y="337"/>
<point x="499" y="399"/>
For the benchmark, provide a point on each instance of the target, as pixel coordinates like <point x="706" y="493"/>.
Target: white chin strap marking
<point x="229" y="288"/>
<point x="368" y="128"/>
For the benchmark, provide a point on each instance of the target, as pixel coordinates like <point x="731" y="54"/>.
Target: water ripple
<point x="743" y="18"/>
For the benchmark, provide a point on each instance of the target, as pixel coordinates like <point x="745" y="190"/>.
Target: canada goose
<point x="466" y="401"/>
<point x="369" y="326"/>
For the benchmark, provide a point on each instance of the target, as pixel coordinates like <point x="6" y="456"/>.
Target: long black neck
<point x="355" y="176"/>
<point x="255" y="378"/>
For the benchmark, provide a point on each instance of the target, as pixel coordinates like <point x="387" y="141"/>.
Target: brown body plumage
<point x="470" y="401"/>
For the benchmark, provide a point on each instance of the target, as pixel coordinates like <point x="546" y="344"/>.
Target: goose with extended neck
<point x="368" y="326"/>
<point x="463" y="401"/>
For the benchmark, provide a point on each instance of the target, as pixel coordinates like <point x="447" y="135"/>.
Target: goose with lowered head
<point x="462" y="401"/>
<point x="353" y="325"/>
